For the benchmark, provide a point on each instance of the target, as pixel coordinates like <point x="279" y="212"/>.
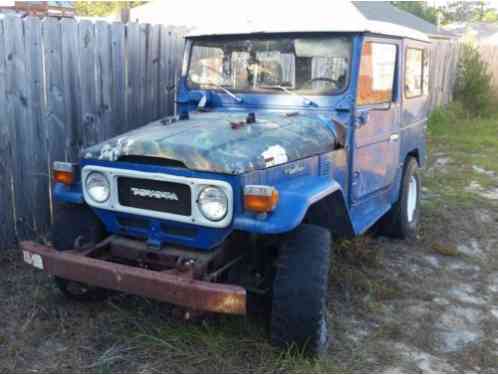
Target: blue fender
<point x="295" y="197"/>
<point x="68" y="194"/>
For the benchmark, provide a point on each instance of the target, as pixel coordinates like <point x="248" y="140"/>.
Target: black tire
<point x="397" y="223"/>
<point x="300" y="290"/>
<point x="74" y="222"/>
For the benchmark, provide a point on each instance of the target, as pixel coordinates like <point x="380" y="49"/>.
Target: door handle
<point x="394" y="138"/>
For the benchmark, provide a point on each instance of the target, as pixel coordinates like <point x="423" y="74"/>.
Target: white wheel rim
<point x="412" y="198"/>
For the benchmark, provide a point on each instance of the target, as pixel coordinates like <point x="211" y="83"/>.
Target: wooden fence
<point x="443" y="72"/>
<point x="489" y="54"/>
<point x="444" y="64"/>
<point x="65" y="85"/>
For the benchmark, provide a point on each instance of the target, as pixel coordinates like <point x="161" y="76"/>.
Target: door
<point x="376" y="150"/>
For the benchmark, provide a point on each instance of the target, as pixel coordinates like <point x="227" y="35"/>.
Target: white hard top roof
<point x="229" y="17"/>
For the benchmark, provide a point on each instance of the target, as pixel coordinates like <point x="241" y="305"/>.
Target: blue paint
<point x="365" y="171"/>
<point x="208" y="141"/>
<point x="68" y="194"/>
<point x="295" y="198"/>
<point x="160" y="232"/>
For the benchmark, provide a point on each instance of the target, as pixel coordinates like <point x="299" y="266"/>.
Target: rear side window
<point x="377" y="72"/>
<point x="416" y="73"/>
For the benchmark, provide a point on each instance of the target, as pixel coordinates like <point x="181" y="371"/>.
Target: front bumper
<point x="168" y="286"/>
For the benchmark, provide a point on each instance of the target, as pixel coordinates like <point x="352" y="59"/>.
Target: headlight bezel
<point x="205" y="190"/>
<point x="196" y="185"/>
<point x="88" y="189"/>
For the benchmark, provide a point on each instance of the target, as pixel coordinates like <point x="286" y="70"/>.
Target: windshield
<point x="303" y="65"/>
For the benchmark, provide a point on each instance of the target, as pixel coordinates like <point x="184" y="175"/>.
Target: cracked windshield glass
<point x="303" y="65"/>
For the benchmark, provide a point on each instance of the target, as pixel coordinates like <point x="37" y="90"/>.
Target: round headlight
<point x="97" y="186"/>
<point x="213" y="203"/>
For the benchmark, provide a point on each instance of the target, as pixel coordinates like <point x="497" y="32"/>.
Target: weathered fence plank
<point x="55" y="116"/>
<point x="133" y="76"/>
<point x="178" y="61"/>
<point x="7" y="232"/>
<point x="163" y="72"/>
<point x="36" y="136"/>
<point x="89" y="118"/>
<point x="72" y="88"/>
<point x="489" y="54"/>
<point x="152" y="79"/>
<point x="104" y="79"/>
<point x="20" y="129"/>
<point x="142" y="71"/>
<point x="443" y="65"/>
<point x="171" y="72"/>
<point x="119" y="65"/>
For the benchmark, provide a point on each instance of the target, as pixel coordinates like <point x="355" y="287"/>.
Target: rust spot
<point x="178" y="288"/>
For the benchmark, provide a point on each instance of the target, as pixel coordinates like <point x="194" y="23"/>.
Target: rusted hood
<point x="222" y="142"/>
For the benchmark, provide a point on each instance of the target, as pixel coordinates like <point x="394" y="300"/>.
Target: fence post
<point x="20" y="129"/>
<point x="36" y="139"/>
<point x="7" y="225"/>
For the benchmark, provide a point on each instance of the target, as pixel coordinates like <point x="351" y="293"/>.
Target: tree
<point x="102" y="8"/>
<point x="473" y="83"/>
<point x="469" y="11"/>
<point x="418" y="8"/>
<point x="490" y="16"/>
<point x="456" y="11"/>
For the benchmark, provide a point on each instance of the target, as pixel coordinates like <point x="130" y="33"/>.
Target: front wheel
<point x="402" y="220"/>
<point x="74" y="223"/>
<point x="300" y="290"/>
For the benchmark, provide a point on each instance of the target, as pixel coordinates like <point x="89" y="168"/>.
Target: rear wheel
<point x="402" y="220"/>
<point x="77" y="226"/>
<point x="300" y="290"/>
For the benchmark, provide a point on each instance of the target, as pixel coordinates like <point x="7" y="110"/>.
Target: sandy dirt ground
<point x="430" y="305"/>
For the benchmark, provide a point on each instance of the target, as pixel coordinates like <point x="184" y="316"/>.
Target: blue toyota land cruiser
<point x="284" y="140"/>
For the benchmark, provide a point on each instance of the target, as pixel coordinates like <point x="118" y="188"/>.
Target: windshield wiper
<point x="225" y="90"/>
<point x="307" y="101"/>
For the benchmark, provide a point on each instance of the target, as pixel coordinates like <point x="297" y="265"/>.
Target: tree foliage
<point x="418" y="8"/>
<point x="473" y="86"/>
<point x="456" y="11"/>
<point x="469" y="11"/>
<point x="102" y="8"/>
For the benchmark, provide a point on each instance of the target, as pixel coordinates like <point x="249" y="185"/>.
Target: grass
<point x="467" y="143"/>
<point x="216" y="345"/>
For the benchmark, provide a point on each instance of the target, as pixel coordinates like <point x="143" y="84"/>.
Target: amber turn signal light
<point x="260" y="199"/>
<point x="64" y="173"/>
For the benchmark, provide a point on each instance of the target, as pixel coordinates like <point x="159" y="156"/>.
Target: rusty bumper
<point x="172" y="287"/>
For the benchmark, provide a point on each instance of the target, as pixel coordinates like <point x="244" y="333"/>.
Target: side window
<point x="377" y="72"/>
<point x="416" y="73"/>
